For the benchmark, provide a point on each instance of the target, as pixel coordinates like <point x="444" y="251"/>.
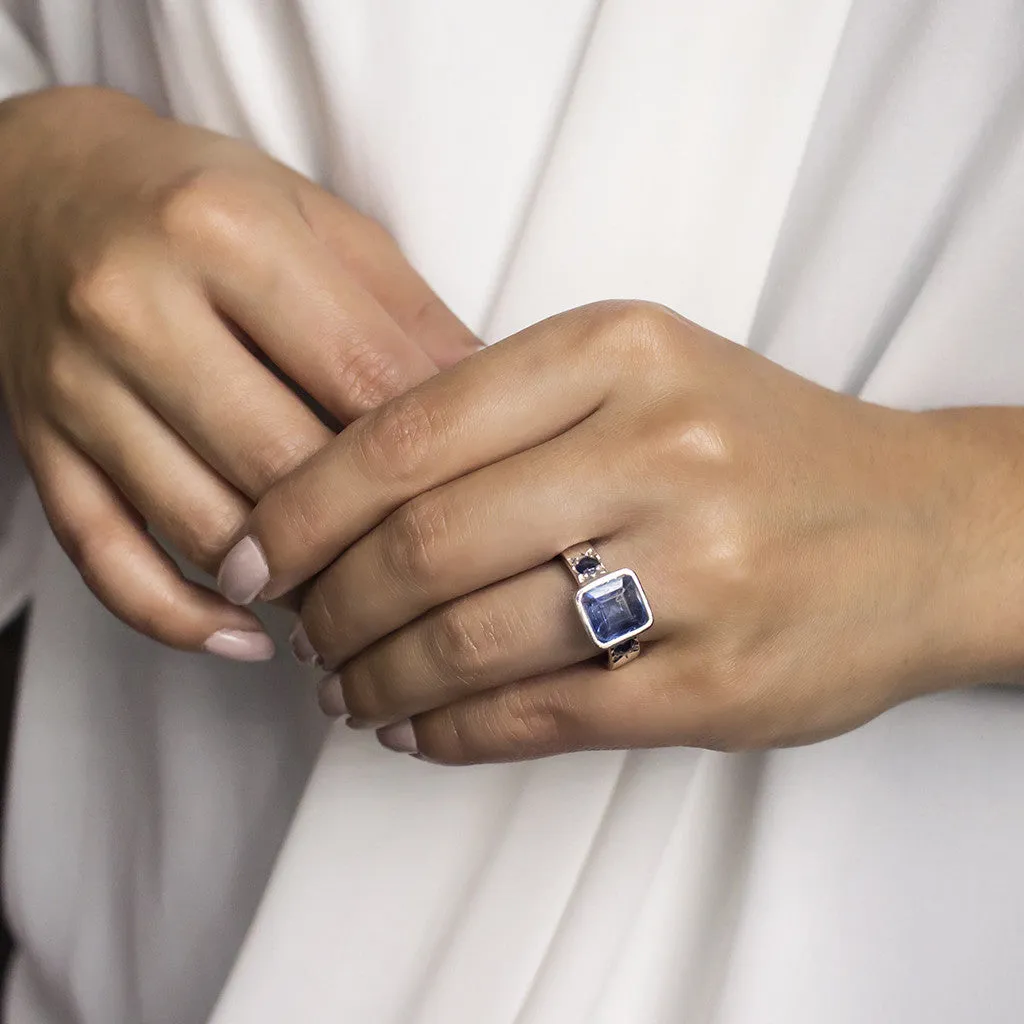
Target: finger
<point x="181" y="358"/>
<point x="176" y="493"/>
<point x="492" y="524"/>
<point x="504" y="400"/>
<point x="374" y="259"/>
<point x="274" y="278"/>
<point x="125" y="568"/>
<point x="519" y="628"/>
<point x="584" y="707"/>
<point x="513" y="630"/>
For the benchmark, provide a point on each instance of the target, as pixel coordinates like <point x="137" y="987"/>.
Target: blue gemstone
<point x="615" y="608"/>
<point x="586" y="564"/>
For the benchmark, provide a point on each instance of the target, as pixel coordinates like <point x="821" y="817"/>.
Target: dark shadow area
<point x="10" y="656"/>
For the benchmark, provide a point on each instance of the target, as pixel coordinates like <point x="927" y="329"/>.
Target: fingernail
<point x="363" y="724"/>
<point x="331" y="696"/>
<point x="240" y="645"/>
<point x="244" y="572"/>
<point x="399" y="737"/>
<point x="302" y="648"/>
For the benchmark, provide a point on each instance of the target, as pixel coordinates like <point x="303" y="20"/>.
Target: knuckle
<point x="95" y="552"/>
<point x="98" y="553"/>
<point x="728" y="558"/>
<point x="209" y="533"/>
<point x="641" y="333"/>
<point x="511" y="725"/>
<point x="365" y="376"/>
<point x="433" y="318"/>
<point x="106" y="295"/>
<point x="373" y="239"/>
<point x="203" y="203"/>
<point x="693" y="444"/>
<point x="289" y="520"/>
<point x="70" y="534"/>
<point x="278" y="456"/>
<point x="430" y="310"/>
<point x="469" y="641"/>
<point x="652" y="321"/>
<point x="396" y="441"/>
<point x="63" y="376"/>
<point x="526" y="723"/>
<point x="416" y="535"/>
<point x="705" y="441"/>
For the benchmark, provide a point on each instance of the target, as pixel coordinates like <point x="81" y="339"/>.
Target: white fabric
<point x="836" y="184"/>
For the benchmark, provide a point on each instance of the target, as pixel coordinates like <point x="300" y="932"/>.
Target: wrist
<point x="976" y="515"/>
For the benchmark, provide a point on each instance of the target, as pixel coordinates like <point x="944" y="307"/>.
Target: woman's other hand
<point x="150" y="275"/>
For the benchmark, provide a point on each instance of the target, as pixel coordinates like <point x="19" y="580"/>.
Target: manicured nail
<point x="302" y="648"/>
<point x="399" y="737"/>
<point x="240" y="645"/>
<point x="362" y="725"/>
<point x="331" y="696"/>
<point x="244" y="572"/>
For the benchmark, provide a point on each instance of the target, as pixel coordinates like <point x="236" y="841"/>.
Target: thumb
<point x="374" y="259"/>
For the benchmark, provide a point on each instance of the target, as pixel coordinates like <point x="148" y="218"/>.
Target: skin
<point x="173" y="307"/>
<point x="811" y="559"/>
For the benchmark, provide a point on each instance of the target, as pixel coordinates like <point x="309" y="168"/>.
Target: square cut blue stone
<point x="615" y="608"/>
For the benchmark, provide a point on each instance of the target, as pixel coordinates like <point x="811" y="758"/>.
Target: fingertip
<point x="399" y="737"/>
<point x="331" y="696"/>
<point x="128" y="571"/>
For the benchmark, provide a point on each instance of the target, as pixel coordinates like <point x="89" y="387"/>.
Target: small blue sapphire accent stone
<point x="587" y="564"/>
<point x="615" y="608"/>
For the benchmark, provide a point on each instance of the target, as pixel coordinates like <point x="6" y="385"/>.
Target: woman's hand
<point x="156" y="281"/>
<point x="806" y="555"/>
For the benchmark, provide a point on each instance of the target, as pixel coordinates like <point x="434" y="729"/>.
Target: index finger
<point x="497" y="403"/>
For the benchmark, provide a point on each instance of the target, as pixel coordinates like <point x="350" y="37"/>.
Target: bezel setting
<point x="642" y="621"/>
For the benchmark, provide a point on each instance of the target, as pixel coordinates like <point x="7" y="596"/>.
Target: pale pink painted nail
<point x="331" y="696"/>
<point x="399" y="737"/>
<point x="303" y="650"/>
<point x="362" y="725"/>
<point x="244" y="572"/>
<point x="240" y="645"/>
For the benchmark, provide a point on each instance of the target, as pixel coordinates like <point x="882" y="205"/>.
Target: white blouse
<point x="833" y="182"/>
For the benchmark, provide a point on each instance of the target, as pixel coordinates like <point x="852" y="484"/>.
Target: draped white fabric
<point x="835" y="183"/>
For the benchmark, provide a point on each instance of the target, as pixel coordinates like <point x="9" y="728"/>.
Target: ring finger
<point x="513" y="630"/>
<point x="456" y="539"/>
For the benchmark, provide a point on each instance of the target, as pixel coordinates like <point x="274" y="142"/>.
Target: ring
<point x="612" y="605"/>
